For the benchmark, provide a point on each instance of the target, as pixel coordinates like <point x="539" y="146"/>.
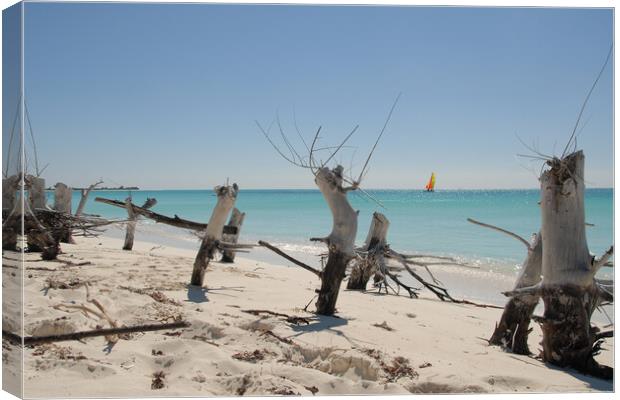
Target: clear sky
<point x="165" y="96"/>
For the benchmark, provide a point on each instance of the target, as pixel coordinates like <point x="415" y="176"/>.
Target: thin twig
<point x="378" y="138"/>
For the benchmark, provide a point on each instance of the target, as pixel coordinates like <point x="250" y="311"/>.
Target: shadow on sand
<point x="198" y="294"/>
<point x="594" y="383"/>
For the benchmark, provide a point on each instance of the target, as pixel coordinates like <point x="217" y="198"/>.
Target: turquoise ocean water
<point x="420" y="222"/>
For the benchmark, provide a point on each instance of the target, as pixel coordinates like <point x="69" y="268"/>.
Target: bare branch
<point x="291" y="259"/>
<point x="286" y="142"/>
<point x="533" y="290"/>
<point x="603" y="259"/>
<point x="583" y="106"/>
<point x="310" y="157"/>
<point x="439" y="291"/>
<point x="294" y="162"/>
<point x="378" y="138"/>
<point x="341" y="144"/>
<point x="514" y="235"/>
<point x="84" y="198"/>
<point x="30" y="340"/>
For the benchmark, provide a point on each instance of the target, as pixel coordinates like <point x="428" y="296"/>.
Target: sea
<point x="421" y="222"/>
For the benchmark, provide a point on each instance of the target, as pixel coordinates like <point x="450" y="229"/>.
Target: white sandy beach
<point x="421" y="346"/>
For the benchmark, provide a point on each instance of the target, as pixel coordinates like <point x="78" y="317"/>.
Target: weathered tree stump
<point x="226" y="196"/>
<point x="340" y="241"/>
<point x="36" y="199"/>
<point x="36" y="192"/>
<point x="133" y="219"/>
<point x="568" y="288"/>
<point x="236" y="220"/>
<point x="62" y="203"/>
<point x="10" y="188"/>
<point x="376" y="239"/>
<point x="513" y="328"/>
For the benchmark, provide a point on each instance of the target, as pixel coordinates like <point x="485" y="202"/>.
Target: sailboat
<point x="430" y="186"/>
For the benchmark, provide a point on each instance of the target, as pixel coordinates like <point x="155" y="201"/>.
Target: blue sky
<point x="165" y="96"/>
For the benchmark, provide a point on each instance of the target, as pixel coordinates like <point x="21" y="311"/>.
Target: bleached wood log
<point x="340" y="241"/>
<point x="132" y="220"/>
<point x="84" y="198"/>
<point x="568" y="288"/>
<point x="226" y="196"/>
<point x="236" y="220"/>
<point x="172" y="221"/>
<point x="376" y="239"/>
<point x="513" y="328"/>
<point x="62" y="203"/>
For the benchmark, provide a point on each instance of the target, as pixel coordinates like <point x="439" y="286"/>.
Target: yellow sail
<point x="430" y="186"/>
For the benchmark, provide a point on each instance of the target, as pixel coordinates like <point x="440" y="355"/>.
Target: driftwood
<point x="31" y="340"/>
<point x="62" y="203"/>
<point x="10" y="186"/>
<point x="363" y="268"/>
<point x="175" y="221"/>
<point x="84" y="197"/>
<point x="331" y="183"/>
<point x="10" y="216"/>
<point x="568" y="288"/>
<point x="236" y="220"/>
<point x="291" y="259"/>
<point x="36" y="191"/>
<point x="45" y="227"/>
<point x="226" y="196"/>
<point x="340" y="242"/>
<point x="132" y="219"/>
<point x="513" y="328"/>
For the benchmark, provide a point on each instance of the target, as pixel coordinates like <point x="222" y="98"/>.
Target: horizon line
<point x="316" y="189"/>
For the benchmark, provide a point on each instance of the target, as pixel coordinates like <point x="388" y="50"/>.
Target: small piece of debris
<point x="411" y="315"/>
<point x="312" y="389"/>
<point x="384" y="325"/>
<point x="283" y="391"/>
<point x="158" y="380"/>
<point x="425" y="365"/>
<point x="256" y="355"/>
<point x="157" y="352"/>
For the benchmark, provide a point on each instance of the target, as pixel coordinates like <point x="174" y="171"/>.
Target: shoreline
<point x="484" y="282"/>
<point x="439" y="347"/>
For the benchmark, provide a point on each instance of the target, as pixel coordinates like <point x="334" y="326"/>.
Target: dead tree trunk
<point x="10" y="187"/>
<point x="62" y="203"/>
<point x="36" y="192"/>
<point x="226" y="196"/>
<point x="376" y="239"/>
<point x="36" y="199"/>
<point x="236" y="220"/>
<point x="513" y="328"/>
<point x="84" y="198"/>
<point x="340" y="241"/>
<point x="568" y="288"/>
<point x="132" y="218"/>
